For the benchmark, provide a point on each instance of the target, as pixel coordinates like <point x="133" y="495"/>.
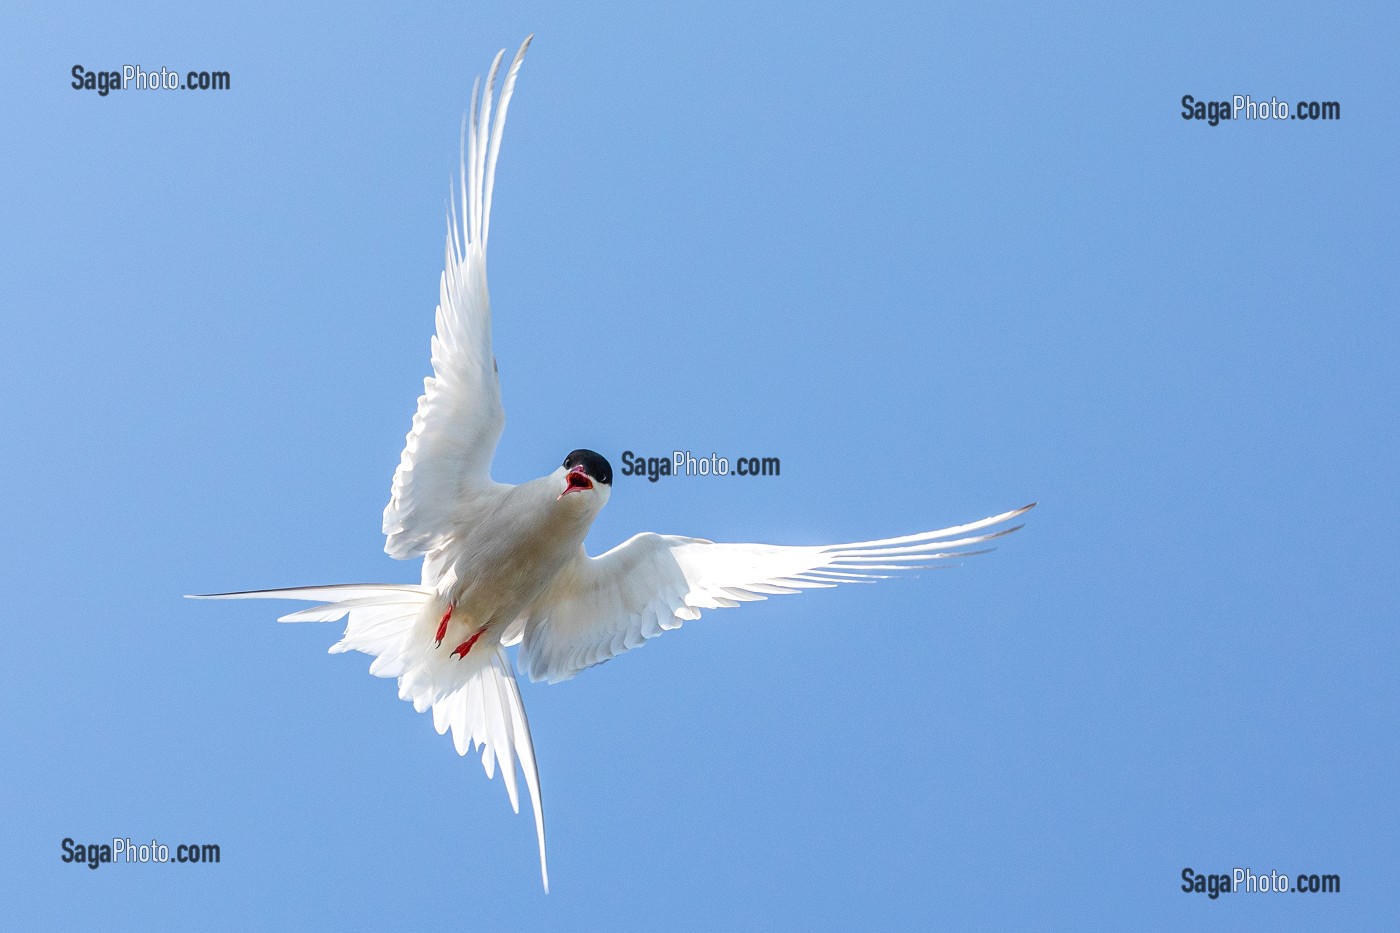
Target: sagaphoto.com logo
<point x="134" y="77"/>
<point x="1245" y="107"/>
<point x="122" y="851"/>
<point x="685" y="463"/>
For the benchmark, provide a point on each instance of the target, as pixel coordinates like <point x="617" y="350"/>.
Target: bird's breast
<point x="509" y="559"/>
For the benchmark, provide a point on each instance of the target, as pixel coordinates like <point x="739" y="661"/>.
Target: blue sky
<point x="942" y="263"/>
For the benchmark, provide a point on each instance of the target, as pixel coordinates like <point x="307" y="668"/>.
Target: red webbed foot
<point x="442" y="627"/>
<point x="461" y="650"/>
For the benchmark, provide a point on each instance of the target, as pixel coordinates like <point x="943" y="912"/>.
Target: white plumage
<point x="505" y="565"/>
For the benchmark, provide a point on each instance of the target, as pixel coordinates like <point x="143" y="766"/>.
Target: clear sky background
<point x="941" y="263"/>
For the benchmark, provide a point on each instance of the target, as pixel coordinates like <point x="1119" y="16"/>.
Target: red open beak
<point x="577" y="481"/>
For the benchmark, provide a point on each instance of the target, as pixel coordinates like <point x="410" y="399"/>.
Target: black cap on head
<point x="594" y="464"/>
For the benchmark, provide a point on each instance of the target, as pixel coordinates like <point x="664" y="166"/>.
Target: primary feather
<point x="599" y="607"/>
<point x="446" y="462"/>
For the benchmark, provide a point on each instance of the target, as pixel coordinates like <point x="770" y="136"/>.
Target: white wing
<point x="446" y="463"/>
<point x="600" y="607"/>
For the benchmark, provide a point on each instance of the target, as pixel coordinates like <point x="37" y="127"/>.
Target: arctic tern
<point x="505" y="565"/>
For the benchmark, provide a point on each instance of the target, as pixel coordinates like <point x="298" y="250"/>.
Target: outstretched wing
<point x="446" y="461"/>
<point x="600" y="607"/>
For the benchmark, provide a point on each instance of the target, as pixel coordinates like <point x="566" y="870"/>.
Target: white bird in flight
<point x="505" y="565"/>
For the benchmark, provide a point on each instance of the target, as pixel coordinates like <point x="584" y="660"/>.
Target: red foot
<point x="442" y="627"/>
<point x="461" y="650"/>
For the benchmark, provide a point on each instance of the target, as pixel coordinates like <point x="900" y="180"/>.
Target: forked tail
<point x="483" y="709"/>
